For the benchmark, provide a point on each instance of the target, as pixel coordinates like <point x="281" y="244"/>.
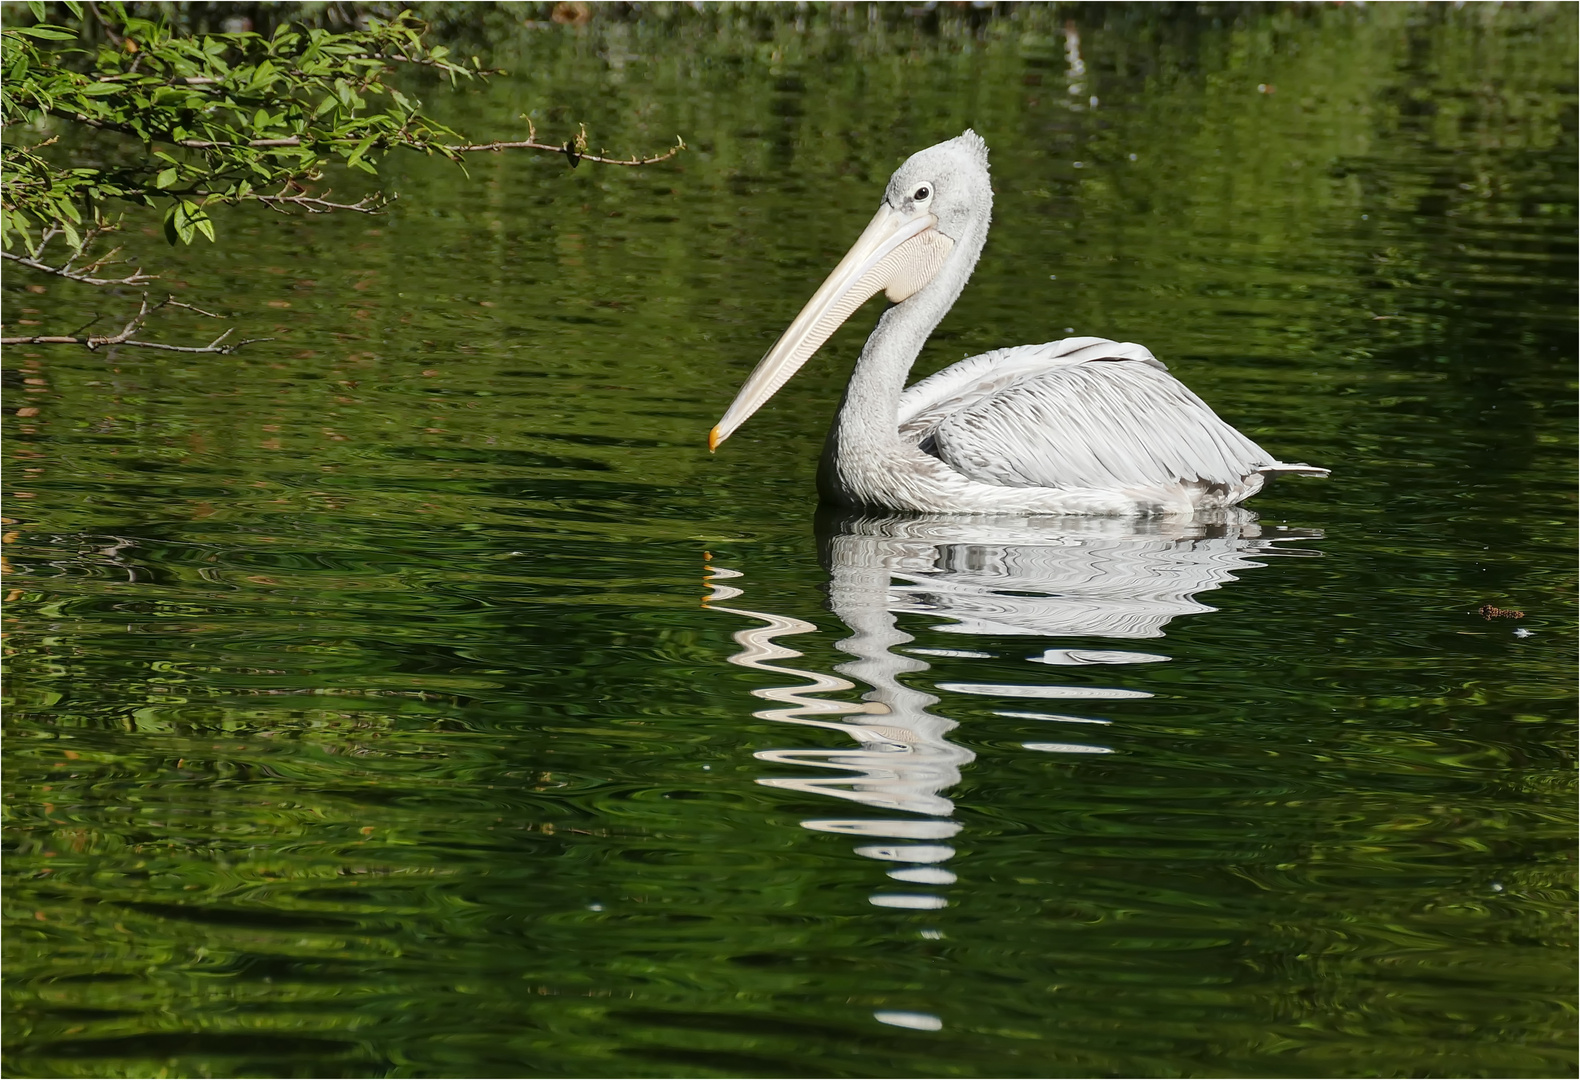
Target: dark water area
<point x="414" y="695"/>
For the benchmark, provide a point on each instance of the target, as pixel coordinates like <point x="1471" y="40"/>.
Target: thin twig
<point x="256" y="144"/>
<point x="52" y="140"/>
<point x="87" y="324"/>
<point x="368" y="204"/>
<point x="84" y="275"/>
<point x="401" y="58"/>
<point x="173" y="302"/>
<point x="190" y="80"/>
<point x="124" y="337"/>
<point x="107" y="257"/>
<point x="568" y="149"/>
<point x="105" y="24"/>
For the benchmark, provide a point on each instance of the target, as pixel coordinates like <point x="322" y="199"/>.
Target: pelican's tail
<point x="1299" y="468"/>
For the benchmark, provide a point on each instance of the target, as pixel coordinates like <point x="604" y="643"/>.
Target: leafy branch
<point x="190" y="122"/>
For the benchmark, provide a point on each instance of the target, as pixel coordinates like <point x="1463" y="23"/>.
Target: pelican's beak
<point x="898" y="253"/>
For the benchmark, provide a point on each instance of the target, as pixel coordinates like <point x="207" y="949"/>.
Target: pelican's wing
<point x="964" y="384"/>
<point x="1078" y="413"/>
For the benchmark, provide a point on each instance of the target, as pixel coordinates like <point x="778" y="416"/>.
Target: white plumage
<point x="1083" y="413"/>
<point x="1083" y="426"/>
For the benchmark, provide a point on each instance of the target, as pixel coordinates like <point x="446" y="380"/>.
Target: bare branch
<point x="171" y="301"/>
<point x="124" y="337"/>
<point x="212" y="347"/>
<point x="402" y="58"/>
<point x="51" y="141"/>
<point x="313" y="204"/>
<point x="105" y="24"/>
<point x="97" y="264"/>
<point x="87" y="324"/>
<point x="191" y="80"/>
<point x="135" y="278"/>
<point x="570" y="149"/>
<point x="83" y="274"/>
<point x="205" y="144"/>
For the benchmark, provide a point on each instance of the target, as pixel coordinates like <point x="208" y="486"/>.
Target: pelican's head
<point x="940" y="198"/>
<point x="949" y="181"/>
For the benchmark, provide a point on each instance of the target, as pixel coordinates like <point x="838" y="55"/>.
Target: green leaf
<point x="37" y="8"/>
<point x="165" y="179"/>
<point x="172" y="235"/>
<point x="46" y="33"/>
<point x="262" y="76"/>
<point x="187" y="212"/>
<point x="355" y="158"/>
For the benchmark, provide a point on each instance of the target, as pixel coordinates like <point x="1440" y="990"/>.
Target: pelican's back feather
<point x="1080" y="413"/>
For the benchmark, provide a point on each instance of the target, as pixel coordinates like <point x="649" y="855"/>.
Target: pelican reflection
<point x="1047" y="578"/>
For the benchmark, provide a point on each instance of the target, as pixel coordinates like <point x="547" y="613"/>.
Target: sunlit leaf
<point x="46" y="33"/>
<point x="186" y="227"/>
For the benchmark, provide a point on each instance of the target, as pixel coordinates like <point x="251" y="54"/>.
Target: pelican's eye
<point x="922" y="194"/>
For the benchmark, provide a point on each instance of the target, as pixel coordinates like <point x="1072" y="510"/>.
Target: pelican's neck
<point x="868" y="419"/>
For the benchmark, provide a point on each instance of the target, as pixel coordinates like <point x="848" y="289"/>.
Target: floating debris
<point x="1487" y="611"/>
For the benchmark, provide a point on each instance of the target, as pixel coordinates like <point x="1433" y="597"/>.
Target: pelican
<point x="1079" y="426"/>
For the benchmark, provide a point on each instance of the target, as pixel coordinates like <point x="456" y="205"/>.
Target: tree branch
<point x="124" y="337"/>
<point x="137" y="277"/>
<point x="569" y="149"/>
<point x="368" y="204"/>
<point x="191" y="144"/>
<point x="572" y="149"/>
<point x="105" y="24"/>
<point x="191" y="80"/>
<point x="443" y="65"/>
<point x="255" y="144"/>
<point x="83" y="274"/>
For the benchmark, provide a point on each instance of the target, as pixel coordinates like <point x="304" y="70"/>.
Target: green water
<point x="366" y="717"/>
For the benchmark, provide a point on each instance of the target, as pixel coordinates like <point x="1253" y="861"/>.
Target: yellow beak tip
<point x="713" y="440"/>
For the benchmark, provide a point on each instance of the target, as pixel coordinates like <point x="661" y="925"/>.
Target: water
<point x="414" y="695"/>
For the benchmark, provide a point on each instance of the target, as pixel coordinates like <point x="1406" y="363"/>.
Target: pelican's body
<point x="1079" y="426"/>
